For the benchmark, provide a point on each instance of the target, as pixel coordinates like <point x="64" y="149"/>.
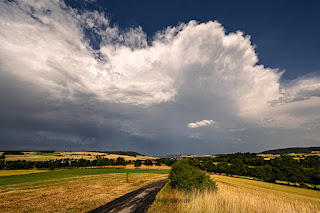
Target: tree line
<point x="284" y="168"/>
<point x="61" y="163"/>
<point x="303" y="171"/>
<point x="70" y="162"/>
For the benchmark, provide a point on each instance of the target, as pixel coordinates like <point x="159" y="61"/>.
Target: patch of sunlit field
<point x="241" y="195"/>
<point x="40" y="156"/>
<point x="131" y="166"/>
<point x="295" y="156"/>
<point x="127" y="157"/>
<point x="74" y="194"/>
<point x="19" y="172"/>
<point x="45" y="156"/>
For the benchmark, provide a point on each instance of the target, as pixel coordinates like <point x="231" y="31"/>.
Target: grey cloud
<point x="300" y="89"/>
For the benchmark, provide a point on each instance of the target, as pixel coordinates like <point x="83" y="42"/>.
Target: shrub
<point x="187" y="177"/>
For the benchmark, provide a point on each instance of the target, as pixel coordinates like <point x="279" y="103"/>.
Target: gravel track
<point x="137" y="201"/>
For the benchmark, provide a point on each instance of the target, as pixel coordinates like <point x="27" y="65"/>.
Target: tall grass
<point x="233" y="199"/>
<point x="239" y="195"/>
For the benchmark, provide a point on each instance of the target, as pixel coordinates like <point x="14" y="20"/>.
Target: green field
<point x="69" y="173"/>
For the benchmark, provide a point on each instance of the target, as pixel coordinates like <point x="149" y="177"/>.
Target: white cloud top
<point x="201" y="123"/>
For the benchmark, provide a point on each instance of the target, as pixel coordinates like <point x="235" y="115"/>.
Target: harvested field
<point x="73" y="194"/>
<point x="40" y="156"/>
<point x="19" y="172"/>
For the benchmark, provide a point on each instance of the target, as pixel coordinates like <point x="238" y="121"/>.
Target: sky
<point x="159" y="78"/>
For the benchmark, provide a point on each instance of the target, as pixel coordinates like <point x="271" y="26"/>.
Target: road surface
<point x="137" y="201"/>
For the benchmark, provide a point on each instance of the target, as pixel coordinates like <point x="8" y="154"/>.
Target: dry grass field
<point x="38" y="156"/>
<point x="296" y="156"/>
<point x="75" y="194"/>
<point x="241" y="195"/>
<point x="131" y="166"/>
<point x="19" y="172"/>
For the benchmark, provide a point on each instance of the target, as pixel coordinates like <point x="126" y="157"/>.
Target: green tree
<point x="137" y="163"/>
<point x="2" y="161"/>
<point x="187" y="177"/>
<point x="158" y="163"/>
<point x="111" y="162"/>
<point x="2" y="156"/>
<point x="287" y="169"/>
<point x="313" y="175"/>
<point x="102" y="161"/>
<point x="210" y="166"/>
<point x="1" y="164"/>
<point x="237" y="167"/>
<point x="223" y="167"/>
<point x="148" y="162"/>
<point x="120" y="161"/>
<point x="194" y="162"/>
<point x="169" y="161"/>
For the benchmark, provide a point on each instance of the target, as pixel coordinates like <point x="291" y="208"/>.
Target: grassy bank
<point x="241" y="195"/>
<point x="71" y="194"/>
<point x="69" y="173"/>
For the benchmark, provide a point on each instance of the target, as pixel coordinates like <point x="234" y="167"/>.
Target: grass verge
<point x="166" y="201"/>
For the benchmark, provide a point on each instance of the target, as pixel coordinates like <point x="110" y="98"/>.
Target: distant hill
<point x="129" y="153"/>
<point x="291" y="150"/>
<point x="21" y="152"/>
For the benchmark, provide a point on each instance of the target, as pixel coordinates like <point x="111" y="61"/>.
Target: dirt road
<point x="137" y="201"/>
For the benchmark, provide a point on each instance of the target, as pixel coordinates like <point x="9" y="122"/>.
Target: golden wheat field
<point x="38" y="156"/>
<point x="19" y="172"/>
<point x="239" y="195"/>
<point x="76" y="194"/>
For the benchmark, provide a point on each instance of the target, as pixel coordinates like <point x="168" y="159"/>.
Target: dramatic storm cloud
<point x="71" y="80"/>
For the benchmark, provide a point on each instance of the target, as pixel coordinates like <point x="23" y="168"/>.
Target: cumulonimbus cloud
<point x="200" y="124"/>
<point x="46" y="44"/>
